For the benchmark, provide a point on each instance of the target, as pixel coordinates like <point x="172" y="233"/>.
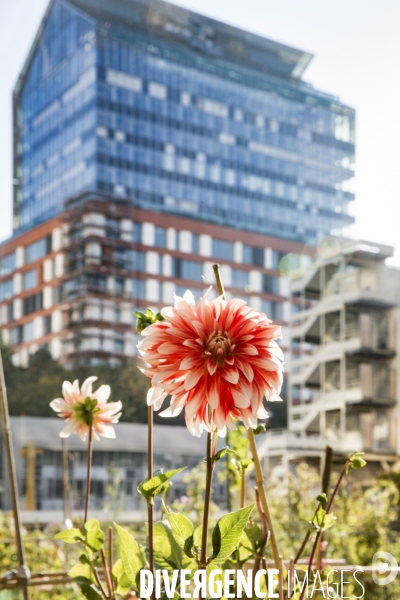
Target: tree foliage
<point x="31" y="389"/>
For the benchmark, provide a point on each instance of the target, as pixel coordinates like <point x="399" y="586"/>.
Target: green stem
<point x="88" y="469"/>
<point x="207" y="500"/>
<point x="150" y="505"/>
<point x="319" y="534"/>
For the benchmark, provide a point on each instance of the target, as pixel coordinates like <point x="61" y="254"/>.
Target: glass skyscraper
<point x="181" y="114"/>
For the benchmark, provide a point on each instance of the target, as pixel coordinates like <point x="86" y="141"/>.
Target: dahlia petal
<point x="156" y="396"/>
<point x="59" y="405"/>
<point x="86" y="389"/>
<point x="102" y="394"/>
<point x="70" y="427"/>
<point x="192" y="378"/>
<point x="241" y="400"/>
<point x="230" y="374"/>
<point x="188" y="363"/>
<point x="212" y="366"/>
<point x="68" y="392"/>
<point x="106" y="431"/>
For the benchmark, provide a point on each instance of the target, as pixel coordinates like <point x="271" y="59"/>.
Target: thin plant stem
<point x="263" y="497"/>
<point x="243" y="482"/>
<point x="207" y="500"/>
<point x="280" y="578"/>
<point x="289" y="579"/>
<point x="325" y="488"/>
<point x="319" y="534"/>
<point x="99" y="582"/>
<point x="106" y="572"/>
<point x="150" y="503"/>
<point x="9" y="453"/>
<point x="110" y="556"/>
<point x="253" y="447"/>
<point x="88" y="469"/>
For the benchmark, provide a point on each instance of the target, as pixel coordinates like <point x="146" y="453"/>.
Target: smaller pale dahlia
<point x="83" y="407"/>
<point x="217" y="360"/>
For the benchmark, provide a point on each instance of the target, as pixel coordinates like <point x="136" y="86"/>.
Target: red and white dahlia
<point x="217" y="360"/>
<point x="82" y="408"/>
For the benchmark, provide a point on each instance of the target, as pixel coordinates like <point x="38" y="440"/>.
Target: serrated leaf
<point x="188" y="547"/>
<point x="151" y="487"/>
<point x="182" y="527"/>
<point x="94" y="537"/>
<point x="227" y="533"/>
<point x="121" y="581"/>
<point x="70" y="536"/>
<point x="130" y="554"/>
<point x="167" y="553"/>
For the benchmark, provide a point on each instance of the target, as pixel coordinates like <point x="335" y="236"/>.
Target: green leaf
<point x="356" y="461"/>
<point x="121" y="581"/>
<point x="151" y="487"/>
<point x="94" y="537"/>
<point x="88" y="589"/>
<point x="323" y="520"/>
<point x="188" y="547"/>
<point x="70" y="536"/>
<point x="223" y="452"/>
<point x="197" y="536"/>
<point x="227" y="533"/>
<point x="182" y="527"/>
<point x="130" y="554"/>
<point x="167" y="553"/>
<point x="81" y="570"/>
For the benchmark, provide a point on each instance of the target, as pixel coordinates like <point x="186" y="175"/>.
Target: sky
<point x="356" y="47"/>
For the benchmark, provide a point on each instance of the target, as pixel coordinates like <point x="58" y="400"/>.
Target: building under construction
<point x="344" y="372"/>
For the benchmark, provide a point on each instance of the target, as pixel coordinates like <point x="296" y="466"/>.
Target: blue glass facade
<point x="152" y="104"/>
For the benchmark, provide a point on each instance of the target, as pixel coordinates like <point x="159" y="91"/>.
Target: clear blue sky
<point x="356" y="44"/>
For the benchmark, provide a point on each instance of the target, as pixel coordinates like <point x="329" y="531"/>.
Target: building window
<point x="119" y="285"/>
<point x="10" y="312"/>
<point x="123" y="258"/>
<point x="161" y="237"/>
<point x="29" y="279"/>
<point x="46" y="324"/>
<point x="187" y="269"/>
<point x="7" y="264"/>
<point x="253" y="255"/>
<point x="6" y="289"/>
<point x="240" y="278"/>
<point x="222" y="249"/>
<point x="57" y="294"/>
<point x="137" y="233"/>
<point x="96" y="281"/>
<point x="27" y="332"/>
<point x="16" y="335"/>
<point x="38" y="249"/>
<point x="112" y="229"/>
<point x="118" y="346"/>
<point x="273" y="310"/>
<point x="139" y="261"/>
<point x="139" y="289"/>
<point x="276" y="258"/>
<point x="270" y="284"/>
<point x="32" y="303"/>
<point x="195" y="244"/>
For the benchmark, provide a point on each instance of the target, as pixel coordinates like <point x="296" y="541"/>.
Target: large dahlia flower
<point x="82" y="408"/>
<point x="217" y="360"/>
